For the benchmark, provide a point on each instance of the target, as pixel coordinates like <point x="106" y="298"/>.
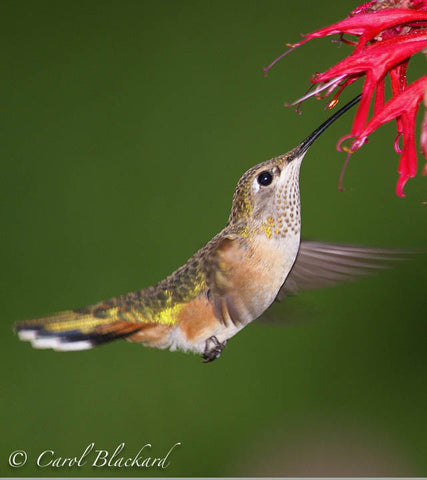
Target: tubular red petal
<point x="400" y="184"/>
<point x="369" y="25"/>
<point x="387" y="39"/>
<point x="398" y="84"/>
<point x="379" y="96"/>
<point x="405" y="106"/>
<point x="408" y="163"/>
<point x="407" y="101"/>
<point x="423" y="137"/>
<point x="366" y="26"/>
<point x="377" y="58"/>
<point x="398" y="77"/>
<point x="362" y="112"/>
<point x="408" y="159"/>
<point x="397" y="147"/>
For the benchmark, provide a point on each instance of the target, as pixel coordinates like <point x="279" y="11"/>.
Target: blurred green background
<point x="124" y="129"/>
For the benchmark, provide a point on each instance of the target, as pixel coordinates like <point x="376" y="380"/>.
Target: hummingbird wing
<point x="320" y="265"/>
<point x="219" y="271"/>
<point x="225" y="277"/>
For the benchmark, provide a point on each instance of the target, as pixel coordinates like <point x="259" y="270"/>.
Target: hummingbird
<point x="256" y="259"/>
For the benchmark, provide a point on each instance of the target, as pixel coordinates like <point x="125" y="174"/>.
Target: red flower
<point x="404" y="107"/>
<point x="387" y="39"/>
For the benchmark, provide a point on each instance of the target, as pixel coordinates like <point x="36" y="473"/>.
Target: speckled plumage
<point x="227" y="284"/>
<point x="211" y="278"/>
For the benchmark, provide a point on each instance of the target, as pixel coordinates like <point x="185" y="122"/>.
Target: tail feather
<point x="72" y="331"/>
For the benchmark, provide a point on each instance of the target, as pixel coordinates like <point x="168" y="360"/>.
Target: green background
<point x="124" y="129"/>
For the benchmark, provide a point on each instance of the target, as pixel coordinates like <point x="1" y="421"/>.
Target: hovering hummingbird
<point x="256" y="259"/>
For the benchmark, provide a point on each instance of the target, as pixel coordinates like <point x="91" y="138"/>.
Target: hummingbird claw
<point x="213" y="349"/>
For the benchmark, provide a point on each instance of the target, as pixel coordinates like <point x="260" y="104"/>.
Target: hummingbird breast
<point x="271" y="262"/>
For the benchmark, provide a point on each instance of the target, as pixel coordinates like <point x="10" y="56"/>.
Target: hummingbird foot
<point x="213" y="349"/>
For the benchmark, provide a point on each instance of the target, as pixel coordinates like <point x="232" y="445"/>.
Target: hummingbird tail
<point x="73" y="330"/>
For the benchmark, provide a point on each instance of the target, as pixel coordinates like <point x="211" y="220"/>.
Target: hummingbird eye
<point x="265" y="178"/>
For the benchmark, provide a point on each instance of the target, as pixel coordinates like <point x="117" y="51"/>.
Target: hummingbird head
<point x="267" y="196"/>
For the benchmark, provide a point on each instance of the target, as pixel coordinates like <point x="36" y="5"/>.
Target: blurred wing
<point x="223" y="277"/>
<point x="320" y="265"/>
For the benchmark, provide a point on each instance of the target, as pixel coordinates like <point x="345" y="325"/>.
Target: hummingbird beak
<point x="306" y="144"/>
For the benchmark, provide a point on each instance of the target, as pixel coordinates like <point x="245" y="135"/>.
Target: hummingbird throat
<point x="285" y="218"/>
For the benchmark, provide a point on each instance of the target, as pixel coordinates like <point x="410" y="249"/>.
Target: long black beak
<point x="306" y="144"/>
